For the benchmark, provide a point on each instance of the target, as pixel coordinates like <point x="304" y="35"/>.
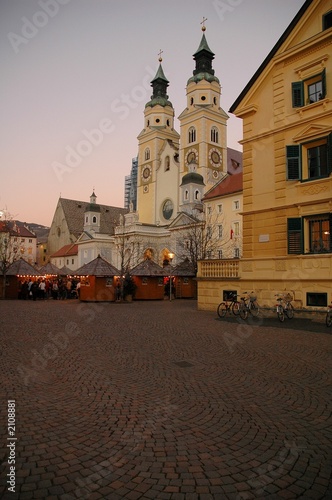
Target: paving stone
<point x="114" y="415"/>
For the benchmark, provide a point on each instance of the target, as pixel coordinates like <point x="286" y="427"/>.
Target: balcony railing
<point x="218" y="268"/>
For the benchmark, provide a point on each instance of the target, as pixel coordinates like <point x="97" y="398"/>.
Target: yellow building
<point x="287" y="161"/>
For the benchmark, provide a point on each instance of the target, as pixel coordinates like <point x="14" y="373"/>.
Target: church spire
<point x="159" y="88"/>
<point x="203" y="58"/>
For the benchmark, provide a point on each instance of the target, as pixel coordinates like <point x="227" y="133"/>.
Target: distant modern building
<point x="130" y="192"/>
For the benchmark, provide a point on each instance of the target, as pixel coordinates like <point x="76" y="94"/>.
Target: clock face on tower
<point x="192" y="156"/>
<point x="215" y="157"/>
<point x="146" y="173"/>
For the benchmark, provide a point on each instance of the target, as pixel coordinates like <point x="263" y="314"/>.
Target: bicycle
<point x="284" y="306"/>
<point x="232" y="306"/>
<point x="328" y="319"/>
<point x="249" y="305"/>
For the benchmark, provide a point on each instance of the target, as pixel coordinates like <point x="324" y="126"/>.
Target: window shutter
<point x="294" y="235"/>
<point x="323" y="83"/>
<point x="293" y="155"/>
<point x="297" y="94"/>
<point x="329" y="153"/>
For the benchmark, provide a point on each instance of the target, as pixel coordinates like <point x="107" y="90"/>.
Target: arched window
<point x="167" y="163"/>
<point x="147" y="154"/>
<point x="191" y="100"/>
<point x="196" y="194"/>
<point x="214" y="134"/>
<point x="94" y="219"/>
<point x="192" y="134"/>
<point x="148" y="254"/>
<point x="186" y="194"/>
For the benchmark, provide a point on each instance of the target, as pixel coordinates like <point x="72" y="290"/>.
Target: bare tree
<point x="128" y="248"/>
<point x="9" y="245"/>
<point x="203" y="238"/>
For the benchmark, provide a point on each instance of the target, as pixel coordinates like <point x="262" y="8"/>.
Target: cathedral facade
<point x="173" y="172"/>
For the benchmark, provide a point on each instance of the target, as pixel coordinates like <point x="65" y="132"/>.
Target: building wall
<point x="230" y="219"/>
<point x="270" y="198"/>
<point x="59" y="234"/>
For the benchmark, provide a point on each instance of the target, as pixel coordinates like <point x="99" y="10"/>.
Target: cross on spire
<point x="159" y="54"/>
<point x="203" y="23"/>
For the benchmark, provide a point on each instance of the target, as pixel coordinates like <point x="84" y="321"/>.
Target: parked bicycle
<point x="284" y="306"/>
<point x="249" y="305"/>
<point x="328" y="319"/>
<point x="233" y="305"/>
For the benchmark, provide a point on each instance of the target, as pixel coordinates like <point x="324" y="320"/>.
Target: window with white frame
<point x="310" y="234"/>
<point x="309" y="91"/>
<point x="236" y="253"/>
<point x="236" y="228"/>
<point x="220" y="208"/>
<point x="236" y="205"/>
<point x="310" y="160"/>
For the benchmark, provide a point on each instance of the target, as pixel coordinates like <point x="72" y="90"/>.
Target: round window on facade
<point x="167" y="209"/>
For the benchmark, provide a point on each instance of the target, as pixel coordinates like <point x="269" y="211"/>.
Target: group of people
<point x="42" y="289"/>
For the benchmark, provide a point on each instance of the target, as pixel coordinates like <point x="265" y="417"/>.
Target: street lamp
<point x="170" y="258"/>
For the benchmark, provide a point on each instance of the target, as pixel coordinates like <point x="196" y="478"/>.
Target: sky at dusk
<point x="76" y="76"/>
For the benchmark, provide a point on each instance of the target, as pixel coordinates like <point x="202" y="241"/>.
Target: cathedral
<point x="173" y="173"/>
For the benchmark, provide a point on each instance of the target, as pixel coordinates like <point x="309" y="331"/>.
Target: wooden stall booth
<point x="98" y="280"/>
<point x="49" y="270"/>
<point x="16" y="280"/>
<point x="184" y="279"/>
<point x="149" y="280"/>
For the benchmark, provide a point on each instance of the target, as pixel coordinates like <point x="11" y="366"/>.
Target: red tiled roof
<point x="228" y="185"/>
<point x="16" y="228"/>
<point x="66" y="251"/>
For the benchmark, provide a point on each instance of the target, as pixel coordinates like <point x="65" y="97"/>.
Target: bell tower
<point x="203" y="123"/>
<point x="158" y="157"/>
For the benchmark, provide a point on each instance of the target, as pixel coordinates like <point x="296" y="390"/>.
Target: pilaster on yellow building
<point x="286" y="110"/>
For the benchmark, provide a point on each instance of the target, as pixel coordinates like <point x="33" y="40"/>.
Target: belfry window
<point x="192" y="134"/>
<point x="147" y="154"/>
<point x="214" y="135"/>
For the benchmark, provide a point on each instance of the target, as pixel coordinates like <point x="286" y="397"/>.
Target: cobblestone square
<point x="157" y="400"/>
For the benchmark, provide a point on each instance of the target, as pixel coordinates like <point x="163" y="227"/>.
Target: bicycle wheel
<point x="329" y="318"/>
<point x="254" y="309"/>
<point x="289" y="311"/>
<point x="243" y="311"/>
<point x="280" y="312"/>
<point x="222" y="310"/>
<point x="236" y="308"/>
